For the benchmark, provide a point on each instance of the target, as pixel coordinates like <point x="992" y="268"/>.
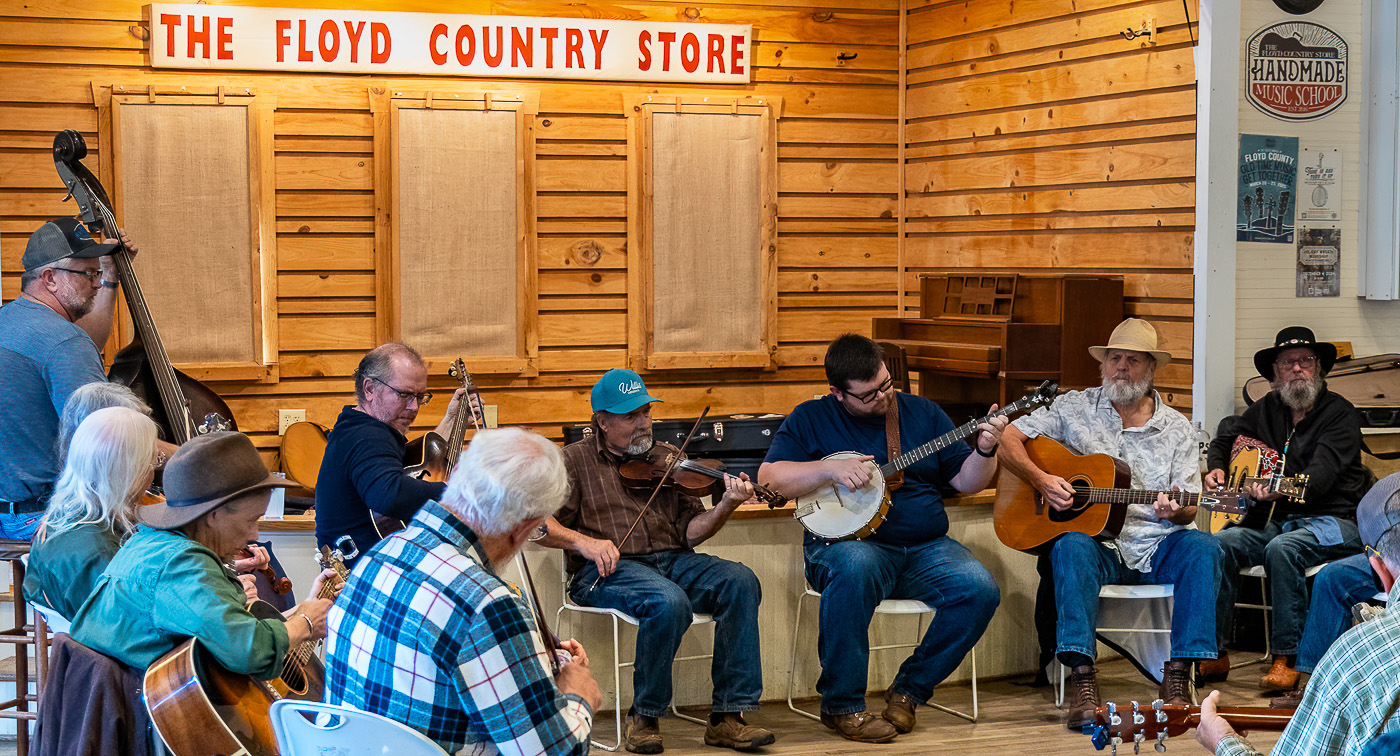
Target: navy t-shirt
<point x="822" y="426"/>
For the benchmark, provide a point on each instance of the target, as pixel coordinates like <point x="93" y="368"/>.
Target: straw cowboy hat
<point x="205" y="472"/>
<point x="1134" y="335"/>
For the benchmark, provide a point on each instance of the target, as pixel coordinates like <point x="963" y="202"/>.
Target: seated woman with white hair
<point x="110" y="464"/>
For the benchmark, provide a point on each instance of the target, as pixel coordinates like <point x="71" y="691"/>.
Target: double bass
<point x="182" y="406"/>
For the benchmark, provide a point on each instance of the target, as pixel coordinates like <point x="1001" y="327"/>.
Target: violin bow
<point x="551" y="641"/>
<point x="659" y="484"/>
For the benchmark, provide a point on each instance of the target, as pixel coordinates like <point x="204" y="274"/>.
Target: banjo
<point x="836" y="512"/>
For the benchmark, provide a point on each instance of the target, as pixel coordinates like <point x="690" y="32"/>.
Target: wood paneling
<point x="1039" y="138"/>
<point x="838" y="176"/>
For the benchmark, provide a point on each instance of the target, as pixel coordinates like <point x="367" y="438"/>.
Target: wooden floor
<point x="1013" y="720"/>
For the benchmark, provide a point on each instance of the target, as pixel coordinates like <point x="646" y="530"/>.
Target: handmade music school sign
<point x="377" y="42"/>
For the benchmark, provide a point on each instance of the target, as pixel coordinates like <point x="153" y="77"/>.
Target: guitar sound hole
<point x="1081" y="503"/>
<point x="293" y="678"/>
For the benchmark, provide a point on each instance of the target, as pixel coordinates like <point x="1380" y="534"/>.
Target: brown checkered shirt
<point x="599" y="506"/>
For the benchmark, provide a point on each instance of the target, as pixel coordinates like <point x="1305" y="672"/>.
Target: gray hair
<point x="30" y="276"/>
<point x="87" y="400"/>
<point x="379" y="364"/>
<point x="504" y="478"/>
<point x="105" y="474"/>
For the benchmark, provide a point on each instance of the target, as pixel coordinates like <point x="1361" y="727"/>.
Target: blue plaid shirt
<point x="426" y="634"/>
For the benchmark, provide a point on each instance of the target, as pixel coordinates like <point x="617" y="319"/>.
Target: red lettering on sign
<point x="736" y="54"/>
<point x="330" y="50"/>
<point x="644" y="46"/>
<point x="598" y="43"/>
<point x="438" y="32"/>
<point x="666" y="38"/>
<point x="716" y="53"/>
<point x="225" y="37"/>
<point x="548" y="34"/>
<point x="465" y="34"/>
<point x="355" y="30"/>
<point x="171" y="22"/>
<point x="380" y="43"/>
<point x="493" y="59"/>
<point x="200" y="37"/>
<point x="690" y="52"/>
<point x="522" y="48"/>
<point x="303" y="54"/>
<point x="284" y="38"/>
<point x="573" y="47"/>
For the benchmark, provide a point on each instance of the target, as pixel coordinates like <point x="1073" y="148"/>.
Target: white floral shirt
<point x="1161" y="454"/>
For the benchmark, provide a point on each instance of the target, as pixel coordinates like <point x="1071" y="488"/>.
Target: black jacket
<point x="1326" y="446"/>
<point x="363" y="471"/>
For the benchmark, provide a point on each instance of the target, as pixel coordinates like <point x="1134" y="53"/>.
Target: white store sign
<point x="378" y="42"/>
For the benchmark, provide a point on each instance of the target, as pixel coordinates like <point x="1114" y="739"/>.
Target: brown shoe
<point x="1176" y="683"/>
<point x="642" y="734"/>
<point x="899" y="711"/>
<point x="1280" y="676"/>
<point x="1083" y="694"/>
<point x="862" y="727"/>
<point x="1215" y="670"/>
<point x="733" y="732"/>
<point x="1289" y="700"/>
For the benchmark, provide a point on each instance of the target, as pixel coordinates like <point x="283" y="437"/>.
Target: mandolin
<point x="182" y="406"/>
<point x="1153" y="725"/>
<point x="1024" y="521"/>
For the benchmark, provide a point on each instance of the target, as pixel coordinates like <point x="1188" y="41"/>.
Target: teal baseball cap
<point x="620" y="391"/>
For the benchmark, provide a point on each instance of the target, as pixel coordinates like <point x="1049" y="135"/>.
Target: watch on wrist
<point x="108" y="284"/>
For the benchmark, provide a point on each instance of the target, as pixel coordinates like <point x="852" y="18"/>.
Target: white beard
<point x="1123" y="392"/>
<point x="1299" y="395"/>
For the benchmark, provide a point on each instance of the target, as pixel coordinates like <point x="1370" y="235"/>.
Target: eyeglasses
<point x="404" y="396"/>
<point x="1302" y="362"/>
<point x="866" y="397"/>
<point x="94" y="276"/>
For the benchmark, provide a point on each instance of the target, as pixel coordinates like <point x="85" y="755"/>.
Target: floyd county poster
<point x="1268" y="189"/>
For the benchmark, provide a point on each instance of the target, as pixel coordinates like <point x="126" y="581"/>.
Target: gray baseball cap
<point x="1379" y="510"/>
<point x="59" y="239"/>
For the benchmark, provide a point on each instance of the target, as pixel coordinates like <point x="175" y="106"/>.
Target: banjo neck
<point x="953" y="436"/>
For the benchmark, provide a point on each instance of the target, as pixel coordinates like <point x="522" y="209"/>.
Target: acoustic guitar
<point x="836" y="512"/>
<point x="302" y="450"/>
<point x="1253" y="461"/>
<point x="202" y="709"/>
<point x="1153" y="725"/>
<point x="1024" y="521"/>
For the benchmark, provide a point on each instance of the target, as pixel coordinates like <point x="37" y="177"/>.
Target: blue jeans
<point x="662" y="590"/>
<point x="855" y="576"/>
<point x="1188" y="560"/>
<point x="1285" y="556"/>
<point x="1336" y="588"/>
<point x="20" y="527"/>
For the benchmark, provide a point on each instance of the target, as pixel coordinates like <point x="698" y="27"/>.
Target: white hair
<point x="88" y="399"/>
<point x="108" y="460"/>
<point x="504" y="478"/>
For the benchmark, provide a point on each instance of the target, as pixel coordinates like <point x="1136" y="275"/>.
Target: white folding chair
<point x="308" y="728"/>
<point x="618" y="617"/>
<point x="1141" y="592"/>
<point x="888" y="606"/>
<point x="1265" y="606"/>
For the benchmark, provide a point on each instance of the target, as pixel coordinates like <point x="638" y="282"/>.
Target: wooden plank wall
<point x="1038" y="138"/>
<point x="838" y="180"/>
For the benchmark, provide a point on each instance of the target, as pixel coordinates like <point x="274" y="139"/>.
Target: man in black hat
<point x="49" y="341"/>
<point x="170" y="581"/>
<point x="1315" y="433"/>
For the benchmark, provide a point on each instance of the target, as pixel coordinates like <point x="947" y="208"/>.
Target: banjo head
<point x="838" y="512"/>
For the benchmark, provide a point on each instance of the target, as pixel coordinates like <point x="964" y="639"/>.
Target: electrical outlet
<point x="286" y="417"/>
<point x="490" y="412"/>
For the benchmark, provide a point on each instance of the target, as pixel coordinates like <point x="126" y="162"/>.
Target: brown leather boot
<point x="1176" y="683"/>
<point x="1280" y="676"/>
<point x="642" y="734"/>
<point x="1289" y="700"/>
<point x="733" y="732"/>
<point x="1083" y="695"/>
<point x="1215" y="670"/>
<point x="899" y="711"/>
<point x="862" y="727"/>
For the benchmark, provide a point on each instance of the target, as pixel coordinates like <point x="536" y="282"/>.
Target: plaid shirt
<point x="599" y="506"/>
<point x="426" y="634"/>
<point x="1347" y="697"/>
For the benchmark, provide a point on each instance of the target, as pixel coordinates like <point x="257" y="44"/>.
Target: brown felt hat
<point x="205" y="472"/>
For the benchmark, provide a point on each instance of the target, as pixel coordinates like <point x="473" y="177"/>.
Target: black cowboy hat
<point x="1298" y="7"/>
<point x="1290" y="338"/>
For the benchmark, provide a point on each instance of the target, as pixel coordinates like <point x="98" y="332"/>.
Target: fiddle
<point x="280" y="585"/>
<point x="693" y="477"/>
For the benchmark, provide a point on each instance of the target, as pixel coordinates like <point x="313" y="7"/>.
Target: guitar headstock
<point x="1137" y="725"/>
<point x="1292" y="487"/>
<point x="333" y="559"/>
<point x="1043" y="395"/>
<point x="1223" y="501"/>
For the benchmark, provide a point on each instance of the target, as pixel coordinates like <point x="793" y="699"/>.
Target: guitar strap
<point x="892" y="441"/>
